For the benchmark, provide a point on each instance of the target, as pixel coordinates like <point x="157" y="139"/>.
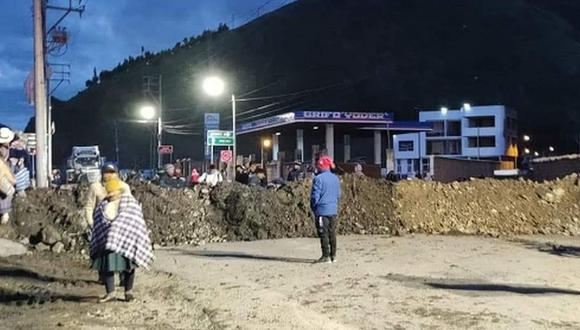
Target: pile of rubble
<point x="53" y="219"/>
<point x="490" y="207"/>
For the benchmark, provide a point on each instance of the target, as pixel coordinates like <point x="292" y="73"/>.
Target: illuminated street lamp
<point x="551" y="149"/>
<point x="527" y="138"/>
<point x="266" y="143"/>
<point x="466" y="106"/>
<point x="526" y="151"/>
<point x="148" y="112"/>
<point x="444" y="110"/>
<point x="215" y="86"/>
<point x="536" y="153"/>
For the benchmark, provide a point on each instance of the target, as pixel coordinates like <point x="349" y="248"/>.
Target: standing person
<point x="194" y="176"/>
<point x="7" y="179"/>
<point x="295" y="173"/>
<point x="168" y="179"/>
<point x="324" y="200"/>
<point x="97" y="191"/>
<point x="358" y="170"/>
<point x="120" y="241"/>
<point x="212" y="177"/>
<point x="241" y="174"/>
<point x="17" y="162"/>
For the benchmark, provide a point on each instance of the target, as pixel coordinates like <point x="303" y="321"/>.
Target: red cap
<point x="325" y="163"/>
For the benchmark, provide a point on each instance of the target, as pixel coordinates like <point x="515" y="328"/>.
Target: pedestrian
<point x="324" y="200"/>
<point x="358" y="170"/>
<point x="258" y="179"/>
<point x="7" y="179"/>
<point x="241" y="174"/>
<point x="168" y="179"/>
<point x="97" y="191"/>
<point x="212" y="177"/>
<point x="194" y="176"/>
<point x="296" y="173"/>
<point x="120" y="241"/>
<point x="21" y="173"/>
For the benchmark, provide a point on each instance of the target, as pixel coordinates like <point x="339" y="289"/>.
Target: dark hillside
<point x="388" y="55"/>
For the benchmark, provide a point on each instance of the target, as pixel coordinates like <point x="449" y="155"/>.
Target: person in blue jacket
<point x="324" y="200"/>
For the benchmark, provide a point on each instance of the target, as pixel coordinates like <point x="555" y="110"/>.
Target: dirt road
<point x="421" y="282"/>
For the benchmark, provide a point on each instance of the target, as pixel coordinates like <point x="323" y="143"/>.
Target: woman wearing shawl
<point x="120" y="240"/>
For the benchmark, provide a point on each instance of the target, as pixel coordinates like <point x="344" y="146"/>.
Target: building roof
<point x="316" y="116"/>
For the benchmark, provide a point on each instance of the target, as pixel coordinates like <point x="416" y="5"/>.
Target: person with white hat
<point x="7" y="179"/>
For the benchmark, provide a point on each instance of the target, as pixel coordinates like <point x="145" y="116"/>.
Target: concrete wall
<point x="559" y="168"/>
<point x="452" y="169"/>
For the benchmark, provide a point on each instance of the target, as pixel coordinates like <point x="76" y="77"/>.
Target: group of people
<point x="14" y="173"/>
<point x="172" y="177"/>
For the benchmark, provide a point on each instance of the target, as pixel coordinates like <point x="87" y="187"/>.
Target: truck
<point x="84" y="164"/>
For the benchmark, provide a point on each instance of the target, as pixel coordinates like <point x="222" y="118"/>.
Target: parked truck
<point x="84" y="164"/>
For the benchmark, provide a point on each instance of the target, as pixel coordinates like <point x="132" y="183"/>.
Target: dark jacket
<point x="325" y="194"/>
<point x="170" y="182"/>
<point x="294" y="175"/>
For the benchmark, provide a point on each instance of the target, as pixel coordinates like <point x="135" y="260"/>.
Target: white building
<point x="478" y="132"/>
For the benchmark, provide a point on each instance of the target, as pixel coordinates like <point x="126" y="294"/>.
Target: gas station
<point x="348" y="137"/>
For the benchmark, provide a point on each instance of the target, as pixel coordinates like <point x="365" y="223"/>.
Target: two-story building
<point x="478" y="132"/>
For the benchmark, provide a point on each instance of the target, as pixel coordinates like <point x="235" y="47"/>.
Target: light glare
<point x="213" y="86"/>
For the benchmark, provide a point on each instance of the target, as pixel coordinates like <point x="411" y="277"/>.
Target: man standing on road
<point x="324" y="200"/>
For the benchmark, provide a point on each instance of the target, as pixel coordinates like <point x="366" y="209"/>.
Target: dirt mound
<point x="52" y="219"/>
<point x="490" y="207"/>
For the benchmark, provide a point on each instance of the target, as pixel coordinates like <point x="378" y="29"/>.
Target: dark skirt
<point x="112" y="262"/>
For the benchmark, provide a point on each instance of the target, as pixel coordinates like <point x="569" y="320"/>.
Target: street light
<point x="536" y="153"/>
<point x="215" y="86"/>
<point x="551" y="149"/>
<point x="147" y="112"/>
<point x="444" y="110"/>
<point x="466" y="106"/>
<point x="526" y="151"/>
<point x="266" y="143"/>
<point x="527" y="138"/>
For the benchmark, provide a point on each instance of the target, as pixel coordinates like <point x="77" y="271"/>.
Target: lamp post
<point x="215" y="86"/>
<point x="148" y="112"/>
<point x="266" y="143"/>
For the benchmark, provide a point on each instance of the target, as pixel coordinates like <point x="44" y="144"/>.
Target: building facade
<point x="478" y="132"/>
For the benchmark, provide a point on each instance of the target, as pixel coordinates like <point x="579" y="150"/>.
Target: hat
<point x="113" y="186"/>
<point x="325" y="163"/>
<point x="6" y="135"/>
<point x="109" y="168"/>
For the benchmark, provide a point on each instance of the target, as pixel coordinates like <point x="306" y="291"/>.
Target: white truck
<point x="84" y="164"/>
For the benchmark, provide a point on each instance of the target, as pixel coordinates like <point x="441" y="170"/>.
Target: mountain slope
<point x="387" y="55"/>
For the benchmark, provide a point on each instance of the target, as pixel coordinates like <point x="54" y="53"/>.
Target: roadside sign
<point x="220" y="138"/>
<point x="165" y="149"/>
<point x="226" y="156"/>
<point x="211" y="121"/>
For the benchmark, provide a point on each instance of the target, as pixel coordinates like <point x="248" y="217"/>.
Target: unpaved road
<point x="421" y="282"/>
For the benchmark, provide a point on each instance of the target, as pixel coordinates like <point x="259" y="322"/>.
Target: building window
<point x="486" y="121"/>
<point x="446" y="147"/>
<point x="406" y="146"/>
<point x="454" y="128"/>
<point x="453" y="147"/>
<point x="435" y="147"/>
<point x="438" y="129"/>
<point x="410" y="165"/>
<point x="484" y="142"/>
<point x="399" y="168"/>
<point x="426" y="165"/>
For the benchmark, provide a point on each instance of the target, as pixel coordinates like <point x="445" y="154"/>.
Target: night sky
<point x="108" y="32"/>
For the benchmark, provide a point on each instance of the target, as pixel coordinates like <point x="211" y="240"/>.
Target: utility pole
<point x="43" y="116"/>
<point x="40" y="105"/>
